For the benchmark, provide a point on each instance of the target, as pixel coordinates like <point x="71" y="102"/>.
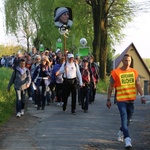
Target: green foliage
<point x="8" y="50"/>
<point x="102" y="86"/>
<point x="121" y="12"/>
<point x="41" y="16"/>
<point x="7" y="100"/>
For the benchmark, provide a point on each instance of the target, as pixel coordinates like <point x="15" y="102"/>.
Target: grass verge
<point x="7" y="99"/>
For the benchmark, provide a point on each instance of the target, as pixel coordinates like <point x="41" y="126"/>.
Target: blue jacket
<point x="55" y="69"/>
<point x="39" y="75"/>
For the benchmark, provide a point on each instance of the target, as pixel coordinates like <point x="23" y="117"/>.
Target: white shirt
<point x="72" y="71"/>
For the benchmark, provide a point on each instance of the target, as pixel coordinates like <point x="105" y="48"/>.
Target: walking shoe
<point x="64" y="108"/>
<point x="30" y="98"/>
<point x="38" y="108"/>
<point x="35" y="106"/>
<point x="18" y="114"/>
<point x="43" y="108"/>
<point x="120" y="136"/>
<point x="86" y="111"/>
<point x="22" y="112"/>
<point x="128" y="142"/>
<point x="61" y="103"/>
<point x="58" y="104"/>
<point x="73" y="112"/>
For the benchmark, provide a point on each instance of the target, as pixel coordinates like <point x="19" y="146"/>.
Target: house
<point x="138" y="64"/>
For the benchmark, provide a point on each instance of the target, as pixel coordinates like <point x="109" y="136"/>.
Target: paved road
<point x="54" y="129"/>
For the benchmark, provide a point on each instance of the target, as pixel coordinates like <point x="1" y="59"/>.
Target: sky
<point x="137" y="32"/>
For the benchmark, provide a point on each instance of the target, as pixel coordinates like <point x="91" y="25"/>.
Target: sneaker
<point x="73" y="112"/>
<point x="86" y="111"/>
<point x="22" y="112"/>
<point x="35" y="106"/>
<point x="38" y="108"/>
<point x="18" y="114"/>
<point x="120" y="136"/>
<point x="43" y="108"/>
<point x="58" y="104"/>
<point x="61" y="104"/>
<point x="30" y="98"/>
<point x="128" y="142"/>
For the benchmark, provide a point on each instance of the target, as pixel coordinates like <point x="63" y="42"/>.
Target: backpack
<point x="74" y="64"/>
<point x="86" y="75"/>
<point x="27" y="72"/>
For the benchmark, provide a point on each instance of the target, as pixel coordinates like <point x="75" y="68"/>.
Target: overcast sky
<point x="137" y="32"/>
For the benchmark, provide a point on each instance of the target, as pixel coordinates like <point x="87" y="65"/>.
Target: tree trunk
<point x="28" y="44"/>
<point x="99" y="8"/>
<point x="97" y="34"/>
<point x="103" y="46"/>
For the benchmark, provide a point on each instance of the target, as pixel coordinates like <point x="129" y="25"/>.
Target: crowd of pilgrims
<point x="51" y="77"/>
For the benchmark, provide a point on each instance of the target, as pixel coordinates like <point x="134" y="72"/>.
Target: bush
<point x="102" y="86"/>
<point x="7" y="100"/>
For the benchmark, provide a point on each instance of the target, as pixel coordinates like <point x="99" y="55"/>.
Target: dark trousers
<point x="79" y="94"/>
<point x="59" y="91"/>
<point x="20" y="99"/>
<point x="41" y="93"/>
<point x="69" y="88"/>
<point x="85" y="93"/>
<point x="92" y="93"/>
<point x="53" y="92"/>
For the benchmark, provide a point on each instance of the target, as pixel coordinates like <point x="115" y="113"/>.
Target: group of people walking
<point x="53" y="76"/>
<point x="48" y="76"/>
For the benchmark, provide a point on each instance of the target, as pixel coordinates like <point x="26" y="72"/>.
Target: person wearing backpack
<point x="70" y="72"/>
<point x="87" y="78"/>
<point x="95" y="72"/>
<point x="21" y="79"/>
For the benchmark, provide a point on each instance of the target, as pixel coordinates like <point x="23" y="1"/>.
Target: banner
<point x="83" y="51"/>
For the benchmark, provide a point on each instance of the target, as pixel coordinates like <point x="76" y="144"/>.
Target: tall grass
<point x="7" y="99"/>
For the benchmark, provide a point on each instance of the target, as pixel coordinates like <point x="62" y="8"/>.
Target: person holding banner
<point x="70" y="72"/>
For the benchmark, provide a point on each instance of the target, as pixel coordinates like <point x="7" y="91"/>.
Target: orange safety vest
<point x="125" y="83"/>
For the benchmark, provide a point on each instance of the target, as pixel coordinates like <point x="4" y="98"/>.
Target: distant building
<point x="138" y="64"/>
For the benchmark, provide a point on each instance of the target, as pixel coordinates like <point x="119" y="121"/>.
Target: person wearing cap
<point x="95" y="71"/>
<point x="70" y="72"/>
<point x="62" y="17"/>
<point x="58" y="55"/>
<point x="87" y="79"/>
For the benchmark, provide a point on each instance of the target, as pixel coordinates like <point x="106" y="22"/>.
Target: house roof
<point x="120" y="57"/>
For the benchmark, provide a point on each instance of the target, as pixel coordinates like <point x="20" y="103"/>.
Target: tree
<point x="108" y="15"/>
<point x="109" y="18"/>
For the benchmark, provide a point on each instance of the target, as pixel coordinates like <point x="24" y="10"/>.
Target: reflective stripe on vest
<point x="125" y="84"/>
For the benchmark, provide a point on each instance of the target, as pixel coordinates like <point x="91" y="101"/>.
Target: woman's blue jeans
<point x="20" y="99"/>
<point x="126" y="112"/>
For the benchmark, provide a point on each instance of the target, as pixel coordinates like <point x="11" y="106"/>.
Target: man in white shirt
<point x="70" y="72"/>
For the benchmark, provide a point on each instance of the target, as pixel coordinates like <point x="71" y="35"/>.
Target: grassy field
<point x="7" y="99"/>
